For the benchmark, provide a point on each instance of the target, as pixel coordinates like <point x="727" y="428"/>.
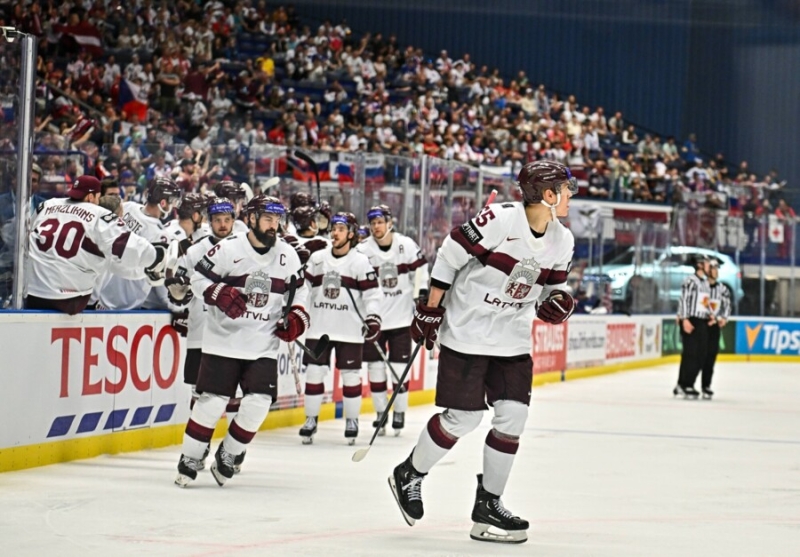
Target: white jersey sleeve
<point x="495" y="270"/>
<point x="73" y="242"/>
<point x="264" y="279"/>
<point x="331" y="306"/>
<point x="197" y="308"/>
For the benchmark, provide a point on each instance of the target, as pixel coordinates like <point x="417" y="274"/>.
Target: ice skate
<point x="707" y="393"/>
<point x="493" y="522"/>
<point x="406" y="485"/>
<point x="687" y="392"/>
<point x="377" y="422"/>
<point x="398" y="422"/>
<point x="351" y="430"/>
<point x="187" y="470"/>
<point x="222" y="467"/>
<point x="237" y="462"/>
<point x="308" y="430"/>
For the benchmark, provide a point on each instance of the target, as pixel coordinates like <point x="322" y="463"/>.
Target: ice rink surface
<point x="608" y="466"/>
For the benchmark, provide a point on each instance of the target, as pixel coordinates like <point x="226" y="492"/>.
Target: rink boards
<point x="97" y="383"/>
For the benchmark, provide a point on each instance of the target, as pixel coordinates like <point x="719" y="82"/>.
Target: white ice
<point x="608" y="466"/>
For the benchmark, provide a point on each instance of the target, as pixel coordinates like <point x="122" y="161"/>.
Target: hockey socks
<point x="315" y="389"/>
<point x="434" y="442"/>
<point x="498" y="458"/>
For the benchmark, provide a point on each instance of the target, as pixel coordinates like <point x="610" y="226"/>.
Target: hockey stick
<point x="361" y="454"/>
<point x="491" y="197"/>
<point x="286" y="310"/>
<point x="322" y="345"/>
<point x="381" y="353"/>
<point x="313" y="164"/>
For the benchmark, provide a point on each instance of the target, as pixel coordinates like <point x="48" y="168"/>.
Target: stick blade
<point x="270" y="183"/>
<point x="322" y="344"/>
<point x="360" y="454"/>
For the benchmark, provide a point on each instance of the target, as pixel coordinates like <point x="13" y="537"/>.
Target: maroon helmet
<point x="303" y="217"/>
<point x="539" y="176"/>
<point x="381" y="210"/>
<point x="265" y="204"/>
<point x="192" y="203"/>
<point x="230" y="189"/>
<point x="300" y="199"/>
<point x="161" y="189"/>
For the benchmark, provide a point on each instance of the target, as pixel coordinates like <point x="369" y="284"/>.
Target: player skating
<point x="242" y="281"/>
<point x="329" y="274"/>
<point x="400" y="265"/>
<point x="498" y="271"/>
<point x="73" y="240"/>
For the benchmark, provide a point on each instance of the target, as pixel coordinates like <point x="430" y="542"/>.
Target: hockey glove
<point x="557" y="308"/>
<point x="426" y="324"/>
<point x="372" y="330"/>
<point x="302" y="253"/>
<point x="180" y="322"/>
<point x="155" y="272"/>
<point x="178" y="290"/>
<point x="293" y="327"/>
<point x="316" y="244"/>
<point x="226" y="298"/>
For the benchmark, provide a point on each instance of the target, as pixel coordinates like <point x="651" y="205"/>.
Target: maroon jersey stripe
<point x="89" y="246"/>
<point x="457" y="235"/>
<point x="118" y="247"/>
<point x="315" y="280"/>
<point x="556" y="277"/>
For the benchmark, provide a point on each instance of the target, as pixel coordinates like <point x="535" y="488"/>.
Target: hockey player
<point x="71" y="241"/>
<point x="296" y="200"/>
<point x="307" y="240"/>
<point x="163" y="195"/>
<point x="499" y="270"/>
<point x="242" y="280"/>
<point x="190" y="222"/>
<point x="236" y="194"/>
<point x="400" y="265"/>
<point x="329" y="274"/>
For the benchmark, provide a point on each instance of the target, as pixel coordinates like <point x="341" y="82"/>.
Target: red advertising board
<point x="549" y="347"/>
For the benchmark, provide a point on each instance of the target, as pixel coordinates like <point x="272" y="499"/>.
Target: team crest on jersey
<point x="331" y="284"/>
<point x="388" y="273"/>
<point x="257" y="287"/>
<point x="522" y="278"/>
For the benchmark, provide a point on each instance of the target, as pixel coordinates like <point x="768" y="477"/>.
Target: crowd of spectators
<point x="190" y="90"/>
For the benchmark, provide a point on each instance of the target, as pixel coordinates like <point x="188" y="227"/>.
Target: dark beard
<point x="267" y="238"/>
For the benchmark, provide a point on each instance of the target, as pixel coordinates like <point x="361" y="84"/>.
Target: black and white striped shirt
<point x="720" y="297"/>
<point x="695" y="298"/>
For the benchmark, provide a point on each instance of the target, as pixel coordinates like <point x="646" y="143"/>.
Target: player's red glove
<point x="293" y="327"/>
<point x="557" y="308"/>
<point x="426" y="324"/>
<point x="302" y="253"/>
<point x="226" y="298"/>
<point x="180" y="322"/>
<point x="316" y="244"/>
<point x="373" y="328"/>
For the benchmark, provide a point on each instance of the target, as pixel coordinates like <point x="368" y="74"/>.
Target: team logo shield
<point x="388" y="273"/>
<point x="331" y="284"/>
<point x="522" y="278"/>
<point x="256" y="288"/>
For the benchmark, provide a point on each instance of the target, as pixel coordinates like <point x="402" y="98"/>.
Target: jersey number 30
<point x="71" y="233"/>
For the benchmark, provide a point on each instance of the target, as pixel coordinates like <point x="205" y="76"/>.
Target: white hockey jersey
<point x="498" y="271"/>
<point x="264" y="279"/>
<point x="72" y="243"/>
<point x="331" y="308"/>
<point x="197" y="308"/>
<point x="397" y="270"/>
<point x="118" y="293"/>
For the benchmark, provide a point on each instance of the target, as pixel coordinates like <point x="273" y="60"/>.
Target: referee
<point x="720" y="307"/>
<point x="693" y="317"/>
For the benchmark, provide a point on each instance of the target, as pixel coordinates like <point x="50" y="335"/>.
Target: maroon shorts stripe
<point x="199" y="432"/>
<point x="377" y="387"/>
<point x="241" y="435"/>
<point x="315" y="389"/>
<point x="502" y="444"/>
<point x="439" y="435"/>
<point x="118" y="247"/>
<point x="351" y="391"/>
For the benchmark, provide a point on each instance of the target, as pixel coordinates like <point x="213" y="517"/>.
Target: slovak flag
<point x="131" y="99"/>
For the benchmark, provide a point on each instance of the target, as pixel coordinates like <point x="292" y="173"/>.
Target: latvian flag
<point x="132" y="100"/>
<point x="85" y="35"/>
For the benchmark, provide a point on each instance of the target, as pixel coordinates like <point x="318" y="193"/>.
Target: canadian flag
<point x="775" y="230"/>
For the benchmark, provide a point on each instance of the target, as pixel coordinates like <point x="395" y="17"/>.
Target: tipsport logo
<point x="768" y="338"/>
